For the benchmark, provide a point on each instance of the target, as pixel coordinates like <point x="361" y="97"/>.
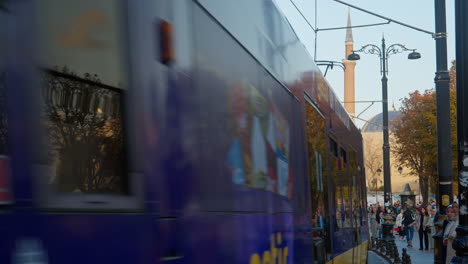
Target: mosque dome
<point x="375" y="123"/>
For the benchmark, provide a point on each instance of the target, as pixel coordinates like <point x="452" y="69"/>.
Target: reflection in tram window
<point x="337" y="189"/>
<point x="316" y="148"/>
<point x="339" y="219"/>
<point x="81" y="49"/>
<point x="346" y="188"/>
<point x="85" y="36"/>
<point x="317" y="153"/>
<point x="354" y="191"/>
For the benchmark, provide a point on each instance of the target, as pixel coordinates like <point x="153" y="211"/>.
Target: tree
<point x="453" y="125"/>
<point x="453" y="76"/>
<point x="415" y="136"/>
<point x="415" y="133"/>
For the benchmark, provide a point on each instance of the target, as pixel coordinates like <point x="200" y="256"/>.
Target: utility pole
<point x="460" y="244"/>
<point x="384" y="52"/>
<point x="444" y="151"/>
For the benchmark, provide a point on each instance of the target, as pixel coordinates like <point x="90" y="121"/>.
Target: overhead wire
<point x="300" y="12"/>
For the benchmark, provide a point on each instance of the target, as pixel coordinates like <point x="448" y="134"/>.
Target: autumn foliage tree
<point x="415" y="136"/>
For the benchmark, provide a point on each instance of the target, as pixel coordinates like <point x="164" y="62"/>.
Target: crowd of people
<point x="420" y="219"/>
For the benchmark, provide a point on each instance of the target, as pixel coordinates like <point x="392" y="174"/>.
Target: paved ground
<point x="373" y="258"/>
<point x="417" y="256"/>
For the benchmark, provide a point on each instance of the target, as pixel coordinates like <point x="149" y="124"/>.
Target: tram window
<point x="333" y="147"/>
<point x="337" y="193"/>
<point x="354" y="181"/>
<point x="361" y="187"/>
<point x="85" y="131"/>
<point x="344" y="156"/>
<point x="347" y="192"/>
<point x="318" y="173"/>
<point x="316" y="149"/>
<point x="81" y="48"/>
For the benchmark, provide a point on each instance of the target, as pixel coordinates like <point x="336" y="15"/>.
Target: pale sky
<point x="405" y="75"/>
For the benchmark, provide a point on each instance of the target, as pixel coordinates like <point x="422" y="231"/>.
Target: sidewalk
<point x="373" y="258"/>
<point x="417" y="256"/>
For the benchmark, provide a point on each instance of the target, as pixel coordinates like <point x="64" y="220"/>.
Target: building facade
<point x="373" y="157"/>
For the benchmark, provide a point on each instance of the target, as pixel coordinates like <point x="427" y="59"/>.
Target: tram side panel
<point x="248" y="167"/>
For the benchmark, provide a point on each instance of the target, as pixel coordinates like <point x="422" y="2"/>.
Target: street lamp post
<point x="383" y="53"/>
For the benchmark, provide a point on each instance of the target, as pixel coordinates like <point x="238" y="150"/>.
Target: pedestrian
<point x="339" y="220"/>
<point x="377" y="218"/>
<point x="456" y="211"/>
<point x="348" y="222"/>
<point x="381" y="222"/>
<point x="450" y="233"/>
<point x="374" y="223"/>
<point x="421" y="227"/>
<point x="408" y="225"/>
<point x="399" y="223"/>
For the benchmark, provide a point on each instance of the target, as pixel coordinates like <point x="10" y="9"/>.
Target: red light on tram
<point x="167" y="45"/>
<point x="5" y="186"/>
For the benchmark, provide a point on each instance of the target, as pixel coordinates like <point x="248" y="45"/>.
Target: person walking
<point x="381" y="222"/>
<point x="431" y="226"/>
<point x="373" y="222"/>
<point x="421" y="226"/>
<point x="450" y="233"/>
<point x="456" y="210"/>
<point x="399" y="223"/>
<point x="408" y="225"/>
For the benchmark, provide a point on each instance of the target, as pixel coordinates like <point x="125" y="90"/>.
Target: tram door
<point x="316" y="151"/>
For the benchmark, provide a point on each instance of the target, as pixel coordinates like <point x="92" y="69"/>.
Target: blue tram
<point x="171" y="131"/>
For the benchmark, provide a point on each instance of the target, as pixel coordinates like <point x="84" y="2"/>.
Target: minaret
<point x="349" y="70"/>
